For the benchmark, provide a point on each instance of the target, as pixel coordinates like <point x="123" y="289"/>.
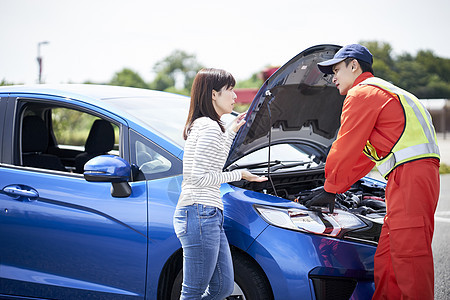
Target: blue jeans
<point x="207" y="264"/>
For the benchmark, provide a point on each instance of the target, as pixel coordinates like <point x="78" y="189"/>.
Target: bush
<point x="444" y="169"/>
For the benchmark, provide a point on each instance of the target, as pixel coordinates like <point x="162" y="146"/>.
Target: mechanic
<point x="386" y="126"/>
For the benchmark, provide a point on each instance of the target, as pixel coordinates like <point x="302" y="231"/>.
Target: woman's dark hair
<point x="365" y="67"/>
<point x="204" y="83"/>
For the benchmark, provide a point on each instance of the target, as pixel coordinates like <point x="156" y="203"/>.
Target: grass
<point x="444" y="169"/>
<point x="238" y="107"/>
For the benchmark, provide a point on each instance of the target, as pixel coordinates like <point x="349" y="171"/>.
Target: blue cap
<point x="354" y="51"/>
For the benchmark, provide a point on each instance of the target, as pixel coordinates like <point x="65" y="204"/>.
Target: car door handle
<point x="19" y="191"/>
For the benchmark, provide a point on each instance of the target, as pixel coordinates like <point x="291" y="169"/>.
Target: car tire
<point x="249" y="281"/>
<point x="250" y="278"/>
<point x="176" y="287"/>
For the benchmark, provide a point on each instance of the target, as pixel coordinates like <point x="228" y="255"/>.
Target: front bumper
<point x="306" y="266"/>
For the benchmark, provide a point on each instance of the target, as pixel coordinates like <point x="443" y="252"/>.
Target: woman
<point x="198" y="219"/>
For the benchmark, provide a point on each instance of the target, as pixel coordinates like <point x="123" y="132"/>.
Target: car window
<point x="166" y="113"/>
<point x="71" y="129"/>
<point x="62" y="138"/>
<point x="3" y="102"/>
<point x="151" y="160"/>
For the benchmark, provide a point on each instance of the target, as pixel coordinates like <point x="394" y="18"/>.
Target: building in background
<point x="246" y="95"/>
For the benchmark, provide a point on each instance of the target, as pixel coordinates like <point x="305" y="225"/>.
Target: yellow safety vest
<point x="418" y="139"/>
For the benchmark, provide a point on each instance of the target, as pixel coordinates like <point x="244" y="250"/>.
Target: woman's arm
<point x="207" y="153"/>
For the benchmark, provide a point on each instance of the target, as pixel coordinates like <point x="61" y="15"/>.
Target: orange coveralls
<point x="403" y="259"/>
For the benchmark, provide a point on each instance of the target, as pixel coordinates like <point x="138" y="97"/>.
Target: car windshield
<point x="282" y="156"/>
<point x="167" y="113"/>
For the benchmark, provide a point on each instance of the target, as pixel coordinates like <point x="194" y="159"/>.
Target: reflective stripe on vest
<point x="417" y="122"/>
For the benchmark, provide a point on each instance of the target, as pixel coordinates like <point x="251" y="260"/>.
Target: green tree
<point x="380" y="51"/>
<point x="438" y="75"/>
<point x="162" y="82"/>
<point x="383" y="62"/>
<point x="127" y="77"/>
<point x="176" y="72"/>
<point x="425" y="75"/>
<point x="434" y="65"/>
<point x="410" y="74"/>
<point x="254" y="81"/>
<point x="4" y="82"/>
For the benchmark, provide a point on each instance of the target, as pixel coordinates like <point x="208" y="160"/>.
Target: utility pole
<point x="39" y="59"/>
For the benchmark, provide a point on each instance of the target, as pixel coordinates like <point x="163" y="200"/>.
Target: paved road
<point x="444" y="147"/>
<point x="441" y="241"/>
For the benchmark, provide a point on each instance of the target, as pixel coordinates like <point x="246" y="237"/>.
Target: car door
<point x="162" y="172"/>
<point x="61" y="236"/>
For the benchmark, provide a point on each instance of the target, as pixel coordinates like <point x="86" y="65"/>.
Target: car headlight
<point x="310" y="221"/>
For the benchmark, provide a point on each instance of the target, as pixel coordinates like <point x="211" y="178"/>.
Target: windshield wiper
<point x="274" y="165"/>
<point x="253" y="166"/>
<point x="290" y="165"/>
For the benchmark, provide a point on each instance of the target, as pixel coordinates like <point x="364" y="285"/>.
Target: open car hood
<point x="297" y="104"/>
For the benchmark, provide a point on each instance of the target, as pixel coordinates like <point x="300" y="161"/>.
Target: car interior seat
<point x="35" y="143"/>
<point x="100" y="141"/>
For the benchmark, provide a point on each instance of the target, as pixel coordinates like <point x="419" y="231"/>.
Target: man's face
<point x="345" y="75"/>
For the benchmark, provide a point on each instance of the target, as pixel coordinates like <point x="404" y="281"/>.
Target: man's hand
<point x="320" y="197"/>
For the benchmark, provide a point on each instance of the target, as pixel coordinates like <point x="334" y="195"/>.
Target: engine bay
<point x="365" y="200"/>
<point x="366" y="197"/>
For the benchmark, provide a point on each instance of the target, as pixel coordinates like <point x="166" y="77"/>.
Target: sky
<point x="91" y="40"/>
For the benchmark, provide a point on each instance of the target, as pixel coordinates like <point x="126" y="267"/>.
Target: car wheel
<point x="176" y="287"/>
<point x="250" y="283"/>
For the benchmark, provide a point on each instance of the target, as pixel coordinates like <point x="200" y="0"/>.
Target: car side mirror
<point x="110" y="168"/>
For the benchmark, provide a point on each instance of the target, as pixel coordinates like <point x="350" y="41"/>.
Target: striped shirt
<point x="205" y="153"/>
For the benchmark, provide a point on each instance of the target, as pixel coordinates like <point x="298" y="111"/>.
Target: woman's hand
<point x="252" y="177"/>
<point x="238" y="122"/>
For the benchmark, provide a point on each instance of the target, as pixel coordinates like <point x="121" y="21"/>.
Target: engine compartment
<point x="365" y="198"/>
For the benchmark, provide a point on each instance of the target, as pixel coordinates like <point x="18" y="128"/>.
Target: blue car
<point x="90" y="176"/>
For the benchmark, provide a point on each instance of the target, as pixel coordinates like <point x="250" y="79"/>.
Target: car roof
<point x="85" y="92"/>
<point x="95" y="95"/>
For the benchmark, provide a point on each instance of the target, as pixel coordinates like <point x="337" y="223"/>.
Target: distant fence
<point x="438" y="108"/>
<point x="440" y="112"/>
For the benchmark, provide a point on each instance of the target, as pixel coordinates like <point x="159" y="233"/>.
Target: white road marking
<point x="442" y="216"/>
<point x="439" y="219"/>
